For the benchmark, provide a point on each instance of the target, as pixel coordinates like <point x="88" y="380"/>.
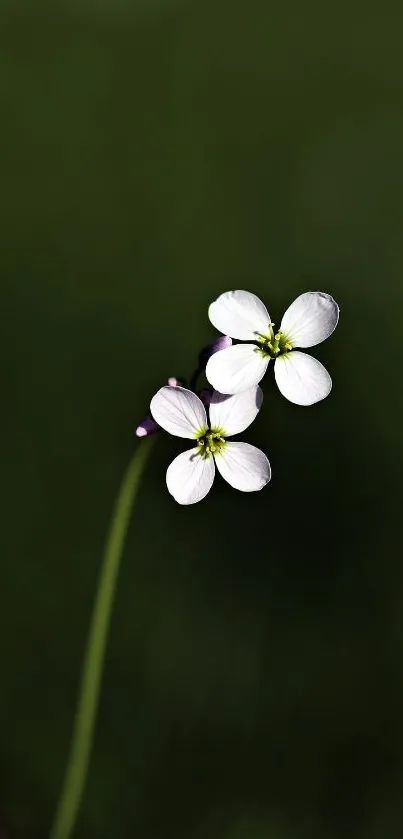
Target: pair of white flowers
<point x="235" y="373"/>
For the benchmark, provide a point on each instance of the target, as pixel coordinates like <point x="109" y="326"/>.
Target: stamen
<point x="211" y="442"/>
<point x="273" y="344"/>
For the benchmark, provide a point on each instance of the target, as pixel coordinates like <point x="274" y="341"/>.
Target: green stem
<point x="83" y="731"/>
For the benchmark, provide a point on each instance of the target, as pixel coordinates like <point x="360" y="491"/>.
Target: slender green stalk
<point x="88" y="700"/>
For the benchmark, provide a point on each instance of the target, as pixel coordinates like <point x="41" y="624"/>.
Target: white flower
<point x="190" y="476"/>
<point x="310" y="319"/>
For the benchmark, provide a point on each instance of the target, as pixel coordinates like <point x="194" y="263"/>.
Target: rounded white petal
<point x="179" y="411"/>
<point x="243" y="466"/>
<point x="235" y="413"/>
<point x="301" y="378"/>
<point x="190" y="477"/>
<point x="239" y="314"/>
<point x="236" y="369"/>
<point x="310" y="319"/>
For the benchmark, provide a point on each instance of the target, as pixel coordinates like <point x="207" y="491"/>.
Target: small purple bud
<point x="147" y="426"/>
<point x="220" y="343"/>
<point x="174" y="382"/>
<point x="205" y="395"/>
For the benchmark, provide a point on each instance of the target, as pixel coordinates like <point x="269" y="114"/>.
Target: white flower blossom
<point x="190" y="476"/>
<point x="147" y="425"/>
<point x="309" y="320"/>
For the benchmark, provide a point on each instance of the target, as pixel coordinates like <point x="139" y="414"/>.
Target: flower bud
<point x="174" y="382"/>
<point x="220" y="343"/>
<point x="147" y="426"/>
<point x="205" y="395"/>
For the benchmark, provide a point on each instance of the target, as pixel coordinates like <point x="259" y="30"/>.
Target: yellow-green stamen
<point x="273" y="344"/>
<point x="211" y="442"/>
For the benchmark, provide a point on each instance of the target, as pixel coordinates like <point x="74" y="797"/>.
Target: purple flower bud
<point x="205" y="395"/>
<point x="174" y="382"/>
<point x="220" y="343"/>
<point x="147" y="426"/>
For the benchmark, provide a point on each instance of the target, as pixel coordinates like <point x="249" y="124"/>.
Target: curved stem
<point x="84" y="725"/>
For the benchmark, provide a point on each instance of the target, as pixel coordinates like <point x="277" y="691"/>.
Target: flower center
<point x="273" y="344"/>
<point x="211" y="442"/>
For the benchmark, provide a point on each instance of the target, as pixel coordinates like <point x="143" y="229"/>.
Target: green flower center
<point x="274" y="344"/>
<point x="211" y="441"/>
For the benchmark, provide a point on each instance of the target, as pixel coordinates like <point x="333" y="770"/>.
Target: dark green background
<point x="154" y="154"/>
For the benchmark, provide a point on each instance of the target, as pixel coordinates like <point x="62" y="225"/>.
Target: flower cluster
<point x="234" y="370"/>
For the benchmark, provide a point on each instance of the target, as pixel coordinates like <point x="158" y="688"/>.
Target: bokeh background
<point x="154" y="154"/>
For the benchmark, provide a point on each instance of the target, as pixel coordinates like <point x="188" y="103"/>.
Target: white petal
<point x="179" y="411"/>
<point x="190" y="477"/>
<point x="301" y="378"/>
<point x="310" y="319"/>
<point x="244" y="467"/>
<point x="236" y="368"/>
<point x="235" y="413"/>
<point x="239" y="314"/>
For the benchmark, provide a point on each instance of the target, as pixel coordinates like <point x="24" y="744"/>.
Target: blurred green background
<point x="152" y="155"/>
